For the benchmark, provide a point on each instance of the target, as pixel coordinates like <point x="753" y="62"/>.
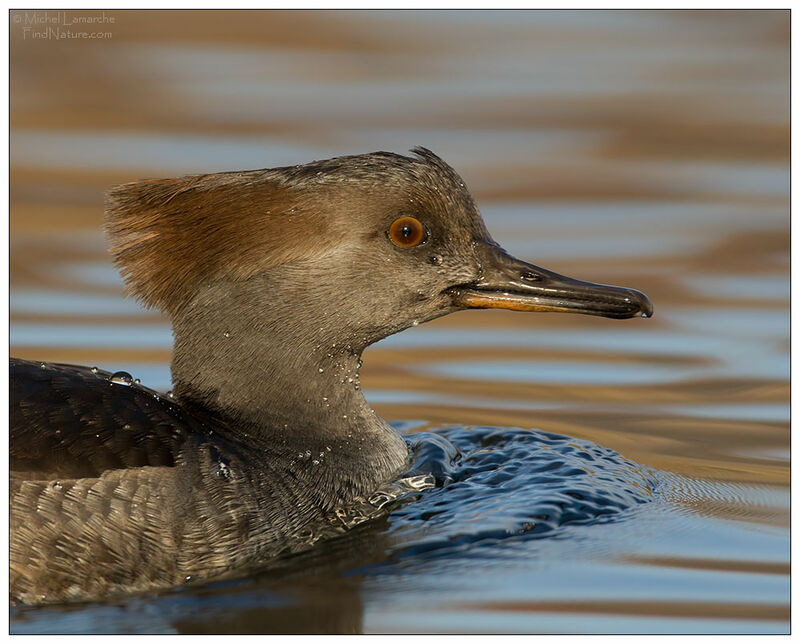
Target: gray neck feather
<point x="270" y="360"/>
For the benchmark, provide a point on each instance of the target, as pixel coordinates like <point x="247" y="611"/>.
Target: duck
<point x="275" y="281"/>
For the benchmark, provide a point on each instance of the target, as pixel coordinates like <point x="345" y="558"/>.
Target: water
<point x="571" y="474"/>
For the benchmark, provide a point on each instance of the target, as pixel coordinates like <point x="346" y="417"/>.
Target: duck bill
<point x="509" y="283"/>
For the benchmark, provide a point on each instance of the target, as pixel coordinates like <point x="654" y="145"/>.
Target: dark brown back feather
<point x="69" y="422"/>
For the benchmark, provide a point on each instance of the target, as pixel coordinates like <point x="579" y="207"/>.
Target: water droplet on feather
<point x="122" y="378"/>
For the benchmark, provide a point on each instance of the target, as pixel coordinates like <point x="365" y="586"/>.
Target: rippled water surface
<point x="570" y="474"/>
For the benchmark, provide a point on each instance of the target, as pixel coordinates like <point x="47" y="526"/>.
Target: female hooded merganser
<point x="275" y="281"/>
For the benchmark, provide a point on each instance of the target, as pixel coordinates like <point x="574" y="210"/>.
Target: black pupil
<point x="406" y="231"/>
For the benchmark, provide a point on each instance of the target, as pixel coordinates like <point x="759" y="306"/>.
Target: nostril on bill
<point x="529" y="276"/>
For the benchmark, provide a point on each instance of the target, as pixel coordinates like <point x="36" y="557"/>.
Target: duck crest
<point x="169" y="236"/>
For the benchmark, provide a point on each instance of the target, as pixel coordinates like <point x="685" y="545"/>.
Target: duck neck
<point x="273" y="368"/>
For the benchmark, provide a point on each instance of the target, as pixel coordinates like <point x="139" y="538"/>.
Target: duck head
<point x="387" y="239"/>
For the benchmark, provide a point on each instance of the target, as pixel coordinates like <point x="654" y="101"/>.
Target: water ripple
<point x="485" y="484"/>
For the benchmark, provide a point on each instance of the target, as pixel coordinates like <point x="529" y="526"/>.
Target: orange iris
<point x="407" y="232"/>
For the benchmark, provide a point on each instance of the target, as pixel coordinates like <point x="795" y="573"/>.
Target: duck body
<point x="147" y="494"/>
<point x="275" y="281"/>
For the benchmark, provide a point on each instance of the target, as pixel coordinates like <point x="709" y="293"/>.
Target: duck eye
<point x="407" y="232"/>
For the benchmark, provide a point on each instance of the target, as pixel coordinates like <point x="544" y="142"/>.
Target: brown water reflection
<point x="648" y="149"/>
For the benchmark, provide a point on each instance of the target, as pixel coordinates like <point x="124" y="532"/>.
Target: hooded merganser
<point x="275" y="281"/>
